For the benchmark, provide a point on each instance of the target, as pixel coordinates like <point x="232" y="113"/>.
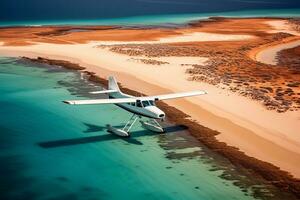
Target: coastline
<point x="72" y="144"/>
<point x="257" y="140"/>
<point x="272" y="174"/>
<point x="259" y="133"/>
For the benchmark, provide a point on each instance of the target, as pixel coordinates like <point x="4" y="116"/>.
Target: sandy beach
<point x="242" y="122"/>
<point x="269" y="55"/>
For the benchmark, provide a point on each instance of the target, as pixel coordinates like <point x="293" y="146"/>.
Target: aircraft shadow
<point x="109" y="137"/>
<point x="91" y="128"/>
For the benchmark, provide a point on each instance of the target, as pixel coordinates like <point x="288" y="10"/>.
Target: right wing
<point x="175" y="95"/>
<point x="100" y="101"/>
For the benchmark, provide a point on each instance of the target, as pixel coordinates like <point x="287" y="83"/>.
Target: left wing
<point x="103" y="92"/>
<point x="100" y="101"/>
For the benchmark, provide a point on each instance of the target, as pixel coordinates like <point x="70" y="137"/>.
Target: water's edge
<point x="258" y="171"/>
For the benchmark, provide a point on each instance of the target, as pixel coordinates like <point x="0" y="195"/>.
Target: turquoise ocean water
<point x="159" y="19"/>
<point x="50" y="150"/>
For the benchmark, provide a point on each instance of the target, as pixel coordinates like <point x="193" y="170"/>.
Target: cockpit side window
<point x="151" y="103"/>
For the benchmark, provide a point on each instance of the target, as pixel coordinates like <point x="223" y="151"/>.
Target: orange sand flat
<point x="21" y="35"/>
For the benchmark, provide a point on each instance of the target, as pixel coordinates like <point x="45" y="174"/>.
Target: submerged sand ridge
<point x="185" y="64"/>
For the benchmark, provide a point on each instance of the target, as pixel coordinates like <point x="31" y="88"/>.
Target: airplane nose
<point x="161" y="115"/>
<point x="156" y="112"/>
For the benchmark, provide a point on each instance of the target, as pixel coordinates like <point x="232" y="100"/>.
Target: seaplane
<point x="139" y="107"/>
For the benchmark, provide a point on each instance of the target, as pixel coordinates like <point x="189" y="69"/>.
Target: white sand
<point x="187" y="37"/>
<point x="269" y="55"/>
<point x="243" y="123"/>
<point x="201" y="36"/>
<point x="282" y="26"/>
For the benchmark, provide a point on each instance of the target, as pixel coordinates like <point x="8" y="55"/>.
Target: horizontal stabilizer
<point x="103" y="91"/>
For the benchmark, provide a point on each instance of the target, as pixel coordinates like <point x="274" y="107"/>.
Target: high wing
<point x="134" y="99"/>
<point x="174" y="95"/>
<point x="100" y="101"/>
<point x="103" y="92"/>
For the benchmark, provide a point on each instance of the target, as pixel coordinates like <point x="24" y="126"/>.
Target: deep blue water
<point x="167" y="20"/>
<point x="50" y="150"/>
<point x="16" y="12"/>
<point x="98" y="9"/>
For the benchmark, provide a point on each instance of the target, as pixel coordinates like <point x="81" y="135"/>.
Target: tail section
<point x="112" y="84"/>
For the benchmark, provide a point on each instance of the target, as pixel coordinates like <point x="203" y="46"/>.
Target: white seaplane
<point x="139" y="106"/>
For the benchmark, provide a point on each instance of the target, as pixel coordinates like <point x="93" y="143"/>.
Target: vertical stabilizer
<point x="112" y="84"/>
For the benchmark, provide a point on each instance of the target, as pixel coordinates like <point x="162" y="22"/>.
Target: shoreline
<point x="240" y="122"/>
<point x="277" y="147"/>
<point x="272" y="174"/>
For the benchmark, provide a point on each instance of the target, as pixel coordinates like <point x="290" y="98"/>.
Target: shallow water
<point x="50" y="150"/>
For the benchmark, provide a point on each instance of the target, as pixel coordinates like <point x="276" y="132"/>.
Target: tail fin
<point x="112" y="84"/>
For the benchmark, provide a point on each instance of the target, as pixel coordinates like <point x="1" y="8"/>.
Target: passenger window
<point x="132" y="104"/>
<point x="139" y="104"/>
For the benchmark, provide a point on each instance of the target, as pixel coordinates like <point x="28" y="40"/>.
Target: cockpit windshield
<point x="148" y="103"/>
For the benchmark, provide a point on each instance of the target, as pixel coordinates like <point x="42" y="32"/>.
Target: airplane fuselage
<point x="142" y="108"/>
